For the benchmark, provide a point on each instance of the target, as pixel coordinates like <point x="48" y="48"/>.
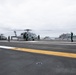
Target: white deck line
<point x="6" y="47"/>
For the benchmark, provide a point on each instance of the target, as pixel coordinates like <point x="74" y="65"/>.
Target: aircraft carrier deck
<point x="37" y="58"/>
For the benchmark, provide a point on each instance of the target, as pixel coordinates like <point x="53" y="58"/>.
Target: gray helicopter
<point x="26" y="35"/>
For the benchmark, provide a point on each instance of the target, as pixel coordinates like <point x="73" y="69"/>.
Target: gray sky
<point x="45" y="17"/>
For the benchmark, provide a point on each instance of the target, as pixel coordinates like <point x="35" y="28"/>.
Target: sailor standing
<point x="71" y="36"/>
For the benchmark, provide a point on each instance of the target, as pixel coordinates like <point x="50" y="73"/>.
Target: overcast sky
<point x="45" y="17"/>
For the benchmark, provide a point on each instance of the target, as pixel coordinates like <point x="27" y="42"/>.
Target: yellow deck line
<point x="62" y="54"/>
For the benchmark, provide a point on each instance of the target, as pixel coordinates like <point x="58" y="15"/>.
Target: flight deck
<point x="37" y="58"/>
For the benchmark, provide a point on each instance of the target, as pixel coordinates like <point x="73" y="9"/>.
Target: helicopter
<point x="26" y="36"/>
<point x="2" y="37"/>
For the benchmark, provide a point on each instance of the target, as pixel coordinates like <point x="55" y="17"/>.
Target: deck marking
<point x="54" y="53"/>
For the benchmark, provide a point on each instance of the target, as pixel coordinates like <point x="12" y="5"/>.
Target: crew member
<point x="38" y="37"/>
<point x="8" y="38"/>
<point x="71" y="36"/>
